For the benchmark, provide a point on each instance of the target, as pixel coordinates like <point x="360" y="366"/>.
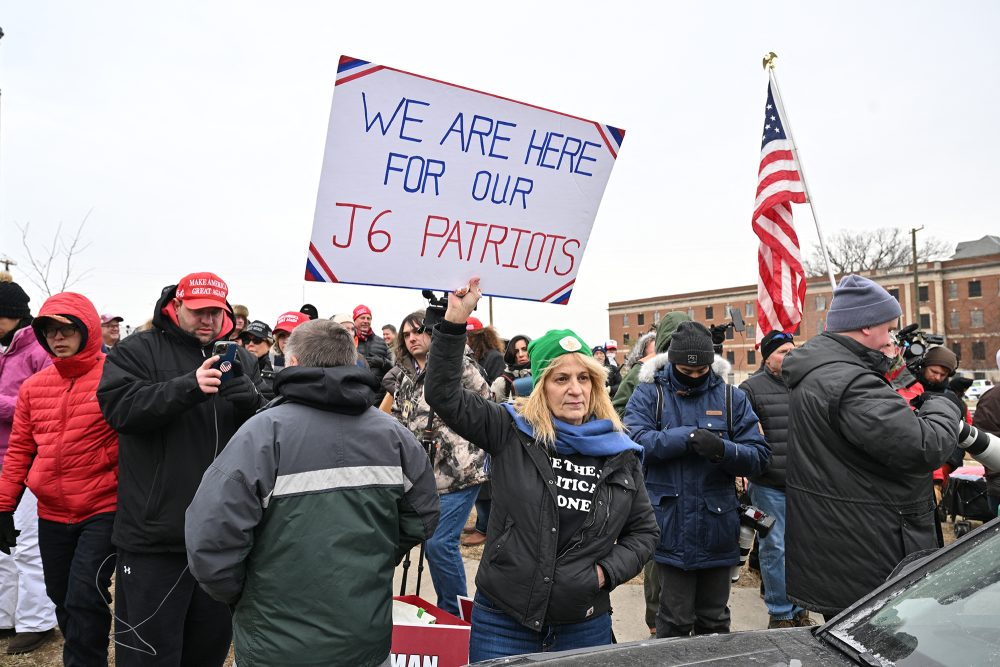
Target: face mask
<point x="687" y="380"/>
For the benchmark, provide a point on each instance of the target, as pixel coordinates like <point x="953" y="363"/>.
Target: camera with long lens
<point x="753" y="521"/>
<point x="914" y="344"/>
<point x="982" y="446"/>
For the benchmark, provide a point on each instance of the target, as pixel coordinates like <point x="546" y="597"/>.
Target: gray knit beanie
<point x="691" y="345"/>
<point x="858" y="303"/>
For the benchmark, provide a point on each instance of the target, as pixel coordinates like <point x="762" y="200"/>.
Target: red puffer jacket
<point x="60" y="445"/>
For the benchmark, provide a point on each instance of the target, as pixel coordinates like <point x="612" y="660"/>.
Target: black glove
<point x="707" y="444"/>
<point x="241" y="392"/>
<point x="8" y="536"/>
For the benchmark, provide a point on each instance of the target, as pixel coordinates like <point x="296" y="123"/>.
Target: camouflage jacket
<point x="458" y="464"/>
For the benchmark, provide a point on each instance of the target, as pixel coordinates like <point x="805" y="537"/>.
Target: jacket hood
<point x="165" y="318"/>
<point x="649" y="370"/>
<point x="827" y="348"/>
<point x="666" y="328"/>
<point x="78" y="309"/>
<point x="343" y="389"/>
<point x="508" y="355"/>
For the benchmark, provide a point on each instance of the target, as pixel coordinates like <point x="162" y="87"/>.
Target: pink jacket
<point x="21" y="360"/>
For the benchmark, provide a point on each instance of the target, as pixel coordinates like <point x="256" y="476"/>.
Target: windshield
<point x="946" y="614"/>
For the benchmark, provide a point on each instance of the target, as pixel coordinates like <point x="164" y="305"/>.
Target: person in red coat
<point x="62" y="449"/>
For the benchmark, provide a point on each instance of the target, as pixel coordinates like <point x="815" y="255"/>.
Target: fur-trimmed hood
<point x="720" y="367"/>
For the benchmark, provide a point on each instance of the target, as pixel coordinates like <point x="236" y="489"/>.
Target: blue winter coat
<point x="694" y="499"/>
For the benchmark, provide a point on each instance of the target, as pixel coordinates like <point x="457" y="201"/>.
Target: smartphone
<point x="737" y="317"/>
<point x="226" y="351"/>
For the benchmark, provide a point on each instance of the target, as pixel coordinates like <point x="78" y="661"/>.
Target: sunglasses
<point x="247" y="340"/>
<point x="782" y="336"/>
<point x="66" y="330"/>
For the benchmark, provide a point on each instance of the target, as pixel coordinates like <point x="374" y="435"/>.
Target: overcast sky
<point x="193" y="132"/>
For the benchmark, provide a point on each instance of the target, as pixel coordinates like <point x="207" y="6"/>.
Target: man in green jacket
<point x="301" y="520"/>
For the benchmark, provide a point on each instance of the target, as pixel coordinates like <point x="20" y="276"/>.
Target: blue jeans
<point x="772" y="553"/>
<point x="497" y="635"/>
<point x="443" y="556"/>
<point x="79" y="560"/>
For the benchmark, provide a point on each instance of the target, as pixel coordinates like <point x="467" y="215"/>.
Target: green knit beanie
<point x="544" y="350"/>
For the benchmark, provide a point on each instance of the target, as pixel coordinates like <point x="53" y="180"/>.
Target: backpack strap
<point x="729" y="410"/>
<point x="659" y="406"/>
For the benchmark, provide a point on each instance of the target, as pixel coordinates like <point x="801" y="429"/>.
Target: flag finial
<point x="769" y="60"/>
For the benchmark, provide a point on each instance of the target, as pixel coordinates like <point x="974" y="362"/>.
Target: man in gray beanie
<point x="860" y="460"/>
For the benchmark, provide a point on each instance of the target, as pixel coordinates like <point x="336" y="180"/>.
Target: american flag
<point x="781" y="286"/>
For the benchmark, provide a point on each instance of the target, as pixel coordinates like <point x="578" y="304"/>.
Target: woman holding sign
<point x="570" y="518"/>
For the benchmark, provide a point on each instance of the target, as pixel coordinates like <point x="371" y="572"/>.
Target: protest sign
<point x="425" y="184"/>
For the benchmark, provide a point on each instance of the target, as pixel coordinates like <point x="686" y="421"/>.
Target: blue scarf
<point x="596" y="437"/>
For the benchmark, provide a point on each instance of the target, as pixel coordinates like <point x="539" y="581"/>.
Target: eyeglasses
<point x="65" y="330"/>
<point x="247" y="340"/>
<point x="111" y="325"/>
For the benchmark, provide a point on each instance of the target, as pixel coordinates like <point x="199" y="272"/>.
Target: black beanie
<point x="13" y="301"/>
<point x="772" y="341"/>
<point x="691" y="345"/>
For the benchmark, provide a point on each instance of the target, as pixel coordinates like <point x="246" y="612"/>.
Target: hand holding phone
<point x="225" y="350"/>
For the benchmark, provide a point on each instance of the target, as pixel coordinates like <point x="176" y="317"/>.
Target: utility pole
<point x="916" y="278"/>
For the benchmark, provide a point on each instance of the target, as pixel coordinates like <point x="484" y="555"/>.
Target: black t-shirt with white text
<point x="576" y="480"/>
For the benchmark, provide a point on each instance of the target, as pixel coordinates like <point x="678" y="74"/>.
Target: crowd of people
<point x="256" y="485"/>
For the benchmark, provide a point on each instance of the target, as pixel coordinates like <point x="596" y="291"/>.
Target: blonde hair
<point x="535" y="408"/>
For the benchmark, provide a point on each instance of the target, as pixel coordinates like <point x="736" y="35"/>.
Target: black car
<point x="943" y="609"/>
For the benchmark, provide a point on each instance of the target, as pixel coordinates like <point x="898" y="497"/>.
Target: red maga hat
<point x="202" y="290"/>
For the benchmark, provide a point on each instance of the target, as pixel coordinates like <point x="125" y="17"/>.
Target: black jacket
<point x="520" y="570"/>
<point x="859" y="473"/>
<point x="769" y="397"/>
<point x="169" y="431"/>
<point x="987" y="418"/>
<point x="376" y="354"/>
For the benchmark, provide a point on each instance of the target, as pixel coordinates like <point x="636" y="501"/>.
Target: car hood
<point x="766" y="648"/>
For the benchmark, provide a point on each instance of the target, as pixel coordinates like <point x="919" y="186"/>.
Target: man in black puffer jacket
<point x="859" y="459"/>
<point x="173" y="416"/>
<point x="769" y="397"/>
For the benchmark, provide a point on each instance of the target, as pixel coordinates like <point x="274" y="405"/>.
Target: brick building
<point x="958" y="297"/>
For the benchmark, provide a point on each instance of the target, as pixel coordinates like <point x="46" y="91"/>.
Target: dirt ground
<point x="50" y="655"/>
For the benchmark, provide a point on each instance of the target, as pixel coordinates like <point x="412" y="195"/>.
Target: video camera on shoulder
<point x="915" y="344"/>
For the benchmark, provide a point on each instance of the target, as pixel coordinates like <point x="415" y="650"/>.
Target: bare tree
<point x="44" y="267"/>
<point x="873" y="250"/>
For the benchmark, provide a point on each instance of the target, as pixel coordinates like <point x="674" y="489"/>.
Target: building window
<point x="925" y="320"/>
<point x="640" y="319"/>
<point x="691" y="314"/>
<point x="729" y="333"/>
<point x="894" y="292"/>
<point x="731" y="358"/>
<point x="979" y="351"/>
<point x="750" y="308"/>
<point x="976" y="317"/>
<point x="821" y="303"/>
<point x="709" y="313"/>
<point x="751" y="358"/>
<point x="952" y="290"/>
<point x="625" y="339"/>
<point x="798" y="330"/>
<point x="820" y="326"/>
<point x="954" y="319"/>
<point x="957" y="349"/>
<point x="656" y="317"/>
<point x="922" y="293"/>
<point x="751" y="332"/>
<point x="625" y="320"/>
<point x="975" y="288"/>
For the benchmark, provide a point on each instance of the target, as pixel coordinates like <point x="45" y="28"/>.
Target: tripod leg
<point x="420" y="567"/>
<point x="406" y="570"/>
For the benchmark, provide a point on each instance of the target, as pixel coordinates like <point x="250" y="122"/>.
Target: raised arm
<point x="469" y="414"/>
